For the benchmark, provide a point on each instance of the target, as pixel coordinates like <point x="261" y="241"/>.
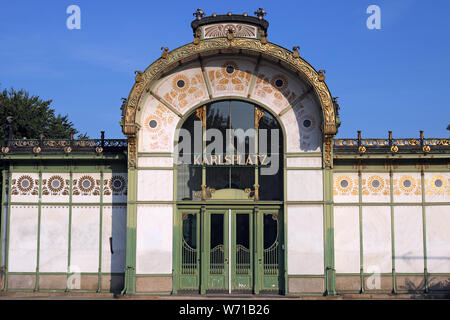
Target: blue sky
<point x="396" y="78"/>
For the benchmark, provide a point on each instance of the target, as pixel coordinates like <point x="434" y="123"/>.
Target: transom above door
<point x="230" y="145"/>
<point x="230" y="251"/>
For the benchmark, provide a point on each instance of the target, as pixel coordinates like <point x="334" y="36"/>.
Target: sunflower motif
<point x="438" y="183"/>
<point x="407" y="184"/>
<point x="55" y="184"/>
<point x="180" y="83"/>
<point x="25" y="183"/>
<point x="375" y="183"/>
<point x="229" y="69"/>
<point x="86" y="184"/>
<point x="344" y="184"/>
<point x="279" y="81"/>
<point x="117" y="184"/>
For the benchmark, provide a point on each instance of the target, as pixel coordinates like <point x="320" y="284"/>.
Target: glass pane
<point x="242" y="178"/>
<point x="243" y="230"/>
<point x="189" y="177"/>
<point x="270" y="230"/>
<point x="190" y="230"/>
<point x="217" y="123"/>
<point x="270" y="140"/>
<point x="217" y="225"/>
<point x="217" y="253"/>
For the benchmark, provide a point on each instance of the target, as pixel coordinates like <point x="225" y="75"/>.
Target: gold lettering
<point x="213" y="159"/>
<point x="264" y="158"/>
<point x="197" y="160"/>
<point x="227" y="159"/>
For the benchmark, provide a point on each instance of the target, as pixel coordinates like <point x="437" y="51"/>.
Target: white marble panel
<point x="85" y="187"/>
<point x="304" y="185"/>
<point x="55" y="187"/>
<point x="114" y="226"/>
<point x="407" y="187"/>
<point x="376" y="187"/>
<point x="154" y="239"/>
<point x="276" y="88"/>
<point x="227" y="83"/>
<point x="165" y="162"/>
<point x="158" y="124"/>
<point x="408" y="231"/>
<point x="155" y="185"/>
<point x="23" y="229"/>
<point x="24" y="187"/>
<point x="345" y="187"/>
<point x="54" y="239"/>
<point x="377" y="245"/>
<point x="346" y="239"/>
<point x="438" y="239"/>
<point x="305" y="239"/>
<point x="313" y="162"/>
<point x="183" y="88"/>
<point x="437" y="186"/>
<point x="84" y="250"/>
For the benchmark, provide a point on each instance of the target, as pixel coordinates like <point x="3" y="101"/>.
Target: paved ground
<point x="110" y="296"/>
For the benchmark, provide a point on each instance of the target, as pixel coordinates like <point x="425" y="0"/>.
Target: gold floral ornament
<point x="55" y="184"/>
<point x="86" y="184"/>
<point x="25" y="183"/>
<point x="117" y="184"/>
<point x="407" y="184"/>
<point x="394" y="149"/>
<point x="426" y="149"/>
<point x="438" y="184"/>
<point x="362" y="149"/>
<point x="344" y="184"/>
<point x="375" y="184"/>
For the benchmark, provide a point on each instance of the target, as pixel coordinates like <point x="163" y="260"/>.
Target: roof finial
<point x="260" y="13"/>
<point x="199" y="14"/>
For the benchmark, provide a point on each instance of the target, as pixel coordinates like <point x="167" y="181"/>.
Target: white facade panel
<point x="438" y="239"/>
<point x="154" y="239"/>
<point x="114" y="231"/>
<point x="408" y="231"/>
<point x="377" y="245"/>
<point x="85" y="236"/>
<point x="346" y="239"/>
<point x="304" y="185"/>
<point x="54" y="239"/>
<point x="23" y="229"/>
<point x="305" y="239"/>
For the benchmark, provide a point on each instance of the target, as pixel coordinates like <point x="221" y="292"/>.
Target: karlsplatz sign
<point x="231" y="147"/>
<point x="231" y="160"/>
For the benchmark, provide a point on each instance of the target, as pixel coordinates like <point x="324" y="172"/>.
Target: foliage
<point x="32" y="117"/>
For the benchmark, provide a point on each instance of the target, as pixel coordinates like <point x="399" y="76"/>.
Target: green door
<point x="242" y="251"/>
<point x="271" y="256"/>
<point x="216" y="253"/>
<point x="231" y="251"/>
<point x="190" y="251"/>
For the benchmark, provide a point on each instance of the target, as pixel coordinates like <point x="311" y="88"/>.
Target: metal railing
<point x="391" y="145"/>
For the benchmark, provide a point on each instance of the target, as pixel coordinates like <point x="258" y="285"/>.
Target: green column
<point x="130" y="268"/>
<point x="328" y="216"/>
<point x="330" y="271"/>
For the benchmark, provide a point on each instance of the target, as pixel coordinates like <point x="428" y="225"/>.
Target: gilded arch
<point x="191" y="51"/>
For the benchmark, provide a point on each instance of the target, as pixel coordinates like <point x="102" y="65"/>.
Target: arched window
<point x="230" y="144"/>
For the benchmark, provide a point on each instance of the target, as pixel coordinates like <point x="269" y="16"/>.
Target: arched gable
<point x="257" y="66"/>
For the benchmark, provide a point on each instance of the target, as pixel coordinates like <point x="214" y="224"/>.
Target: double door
<point x="231" y="250"/>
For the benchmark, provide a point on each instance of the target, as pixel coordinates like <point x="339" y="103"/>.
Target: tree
<point x="32" y="116"/>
